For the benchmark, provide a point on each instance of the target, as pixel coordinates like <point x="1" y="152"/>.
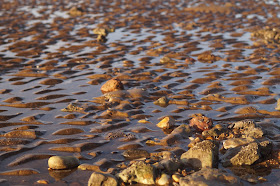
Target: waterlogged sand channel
<point x="221" y="60"/>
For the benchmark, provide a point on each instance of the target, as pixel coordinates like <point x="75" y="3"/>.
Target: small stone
<point x="139" y="172"/>
<point x="164" y="179"/>
<point x="63" y="162"/>
<point x="112" y="85"/>
<point x="176" y="177"/>
<point x="102" y="179"/>
<point x="76" y="11"/>
<point x="43" y="182"/>
<point x="101" y="31"/>
<point x="166" y="59"/>
<point x="163" y="101"/>
<point x="166" y="123"/>
<point x="201" y="122"/>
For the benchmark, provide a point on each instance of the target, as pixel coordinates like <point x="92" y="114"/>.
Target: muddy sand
<point x="220" y="59"/>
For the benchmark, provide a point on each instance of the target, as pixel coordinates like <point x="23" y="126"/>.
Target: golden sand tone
<point x="95" y="79"/>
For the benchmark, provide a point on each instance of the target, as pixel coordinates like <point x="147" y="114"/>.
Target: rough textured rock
<point x="99" y="179"/>
<point x="208" y="176"/>
<point x="112" y="85"/>
<point x="203" y="154"/>
<point x="254" y="133"/>
<point x="215" y="132"/>
<point x="247" y="154"/>
<point x="166" y="123"/>
<point x="243" y="124"/>
<point x="236" y="142"/>
<point x="63" y="162"/>
<point x="201" y="122"/>
<point x="139" y="172"/>
<point x="248" y="128"/>
<point x="269" y="35"/>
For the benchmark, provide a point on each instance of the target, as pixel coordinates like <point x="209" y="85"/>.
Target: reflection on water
<point x="49" y="59"/>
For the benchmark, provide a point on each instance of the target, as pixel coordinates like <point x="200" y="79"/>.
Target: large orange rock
<point x="112" y="85"/>
<point x="201" y="122"/>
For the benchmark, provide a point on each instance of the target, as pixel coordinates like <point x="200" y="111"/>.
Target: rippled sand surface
<point x="198" y="54"/>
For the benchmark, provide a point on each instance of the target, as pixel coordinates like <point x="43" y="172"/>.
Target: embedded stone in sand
<point x="112" y="85"/>
<point x="63" y="162"/>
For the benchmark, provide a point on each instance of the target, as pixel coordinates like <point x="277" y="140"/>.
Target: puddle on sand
<point x="49" y="59"/>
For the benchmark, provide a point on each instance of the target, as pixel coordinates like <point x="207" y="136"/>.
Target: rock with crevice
<point x="248" y="128"/>
<point x="247" y="154"/>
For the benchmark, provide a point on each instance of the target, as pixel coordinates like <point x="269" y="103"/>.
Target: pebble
<point x="63" y="162"/>
<point x="164" y="179"/>
<point x="166" y="123"/>
<point x="176" y="177"/>
<point x="201" y="122"/>
<point x="112" y="85"/>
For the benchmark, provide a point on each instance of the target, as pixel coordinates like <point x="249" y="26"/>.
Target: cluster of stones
<point x="270" y="35"/>
<point x="244" y="144"/>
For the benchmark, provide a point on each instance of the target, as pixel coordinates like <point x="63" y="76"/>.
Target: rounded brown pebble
<point x="112" y="85"/>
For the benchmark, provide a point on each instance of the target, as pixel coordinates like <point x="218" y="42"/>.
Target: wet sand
<point x="205" y="58"/>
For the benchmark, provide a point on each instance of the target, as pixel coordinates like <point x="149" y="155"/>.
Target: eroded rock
<point x="139" y="172"/>
<point x="203" y="154"/>
<point x="247" y="154"/>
